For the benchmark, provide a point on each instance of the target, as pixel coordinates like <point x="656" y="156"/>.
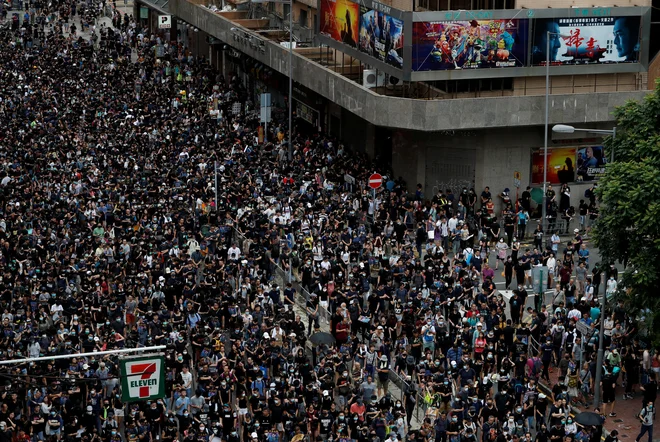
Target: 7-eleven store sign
<point x="142" y="378"/>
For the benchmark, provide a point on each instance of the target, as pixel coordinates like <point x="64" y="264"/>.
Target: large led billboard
<point x="381" y="36"/>
<point x="586" y="40"/>
<point x="474" y="44"/>
<point x="340" y="21"/>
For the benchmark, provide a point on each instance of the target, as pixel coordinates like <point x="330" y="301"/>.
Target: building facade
<point x="451" y="93"/>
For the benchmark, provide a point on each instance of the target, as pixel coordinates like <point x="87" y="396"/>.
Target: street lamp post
<point x="290" y="80"/>
<point x="565" y="129"/>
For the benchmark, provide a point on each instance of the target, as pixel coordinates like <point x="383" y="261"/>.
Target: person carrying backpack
<point x="535" y="366"/>
<point x="647" y="416"/>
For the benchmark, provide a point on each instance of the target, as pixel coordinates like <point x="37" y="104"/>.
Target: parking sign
<point x="164" y="21"/>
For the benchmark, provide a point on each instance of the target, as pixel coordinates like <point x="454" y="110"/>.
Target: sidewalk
<point x="625" y="422"/>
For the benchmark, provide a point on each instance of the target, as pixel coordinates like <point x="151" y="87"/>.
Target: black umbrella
<point x="322" y="338"/>
<point x="589" y="418"/>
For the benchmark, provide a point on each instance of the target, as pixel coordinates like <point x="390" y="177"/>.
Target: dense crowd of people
<point x="111" y="237"/>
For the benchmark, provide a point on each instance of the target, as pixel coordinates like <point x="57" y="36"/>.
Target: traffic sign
<point x="585" y="330"/>
<point x="164" y="21"/>
<point x="375" y="181"/>
<point x="142" y="378"/>
<point x="516" y="179"/>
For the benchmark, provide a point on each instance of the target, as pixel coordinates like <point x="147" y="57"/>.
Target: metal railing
<point x="404" y="386"/>
<point x="281" y="277"/>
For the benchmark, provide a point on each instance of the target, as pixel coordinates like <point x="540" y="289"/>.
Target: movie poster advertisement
<point x="472" y="44"/>
<point x="340" y="21"/>
<point x="591" y="162"/>
<point x="561" y="165"/>
<point x="592" y="40"/>
<point x="381" y="36"/>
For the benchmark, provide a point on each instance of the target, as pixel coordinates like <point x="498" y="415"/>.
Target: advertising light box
<point x="454" y="45"/>
<point x="340" y="21"/>
<point x="381" y="36"/>
<point x="475" y="44"/>
<point x="589" y="40"/>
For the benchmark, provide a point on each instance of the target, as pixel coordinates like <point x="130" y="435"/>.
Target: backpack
<point x="557" y="338"/>
<point x="519" y="388"/>
<point x="537" y="366"/>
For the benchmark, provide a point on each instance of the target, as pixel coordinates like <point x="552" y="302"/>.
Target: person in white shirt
<point x="56" y="310"/>
<point x="574" y="314"/>
<point x="452" y="223"/>
<point x="608" y="326"/>
<point x="186" y="379"/>
<point x="428" y="335"/>
<point x="443" y="226"/>
<point x="611" y="286"/>
<point x="555" y="240"/>
<point x="34" y="349"/>
<point x="552" y="267"/>
<point x="317" y="251"/>
<point x="588" y="291"/>
<point x="501" y="247"/>
<point x="234" y="253"/>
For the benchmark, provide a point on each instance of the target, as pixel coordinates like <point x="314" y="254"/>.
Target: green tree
<point x="628" y="229"/>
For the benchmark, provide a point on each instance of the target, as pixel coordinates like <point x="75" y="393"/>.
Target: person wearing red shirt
<point x="342" y="331"/>
<point x="358" y="408"/>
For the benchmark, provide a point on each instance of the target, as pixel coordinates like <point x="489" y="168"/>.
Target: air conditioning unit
<point x="373" y="78"/>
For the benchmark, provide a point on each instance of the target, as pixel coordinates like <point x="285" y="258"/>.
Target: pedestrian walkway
<point x="625" y="422"/>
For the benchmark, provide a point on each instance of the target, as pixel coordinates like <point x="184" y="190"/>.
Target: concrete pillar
<point x="420" y="157"/>
<point x="370" y="140"/>
<point x="408" y="159"/>
<point x="480" y="175"/>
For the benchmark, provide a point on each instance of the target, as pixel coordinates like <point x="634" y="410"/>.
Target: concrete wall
<point x="578" y="84"/>
<point x="391" y="112"/>
<point x="474" y="158"/>
<point x="307" y="5"/>
<point x="539" y="4"/>
<point x="504" y="153"/>
<point x="654" y="72"/>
